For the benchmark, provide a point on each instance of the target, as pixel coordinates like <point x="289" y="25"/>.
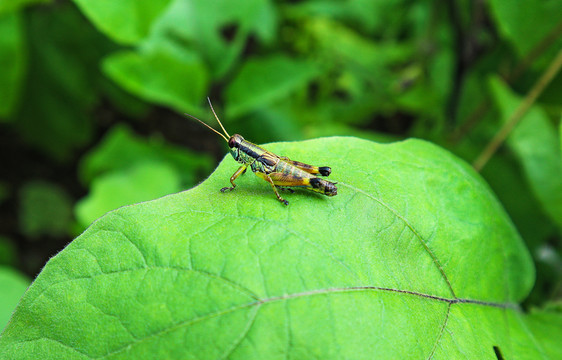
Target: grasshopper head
<point x="235" y="140"/>
<point x="234" y="145"/>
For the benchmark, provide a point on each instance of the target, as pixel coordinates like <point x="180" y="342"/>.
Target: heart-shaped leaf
<point x="414" y="258"/>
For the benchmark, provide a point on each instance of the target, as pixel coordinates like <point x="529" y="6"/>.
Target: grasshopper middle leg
<point x="238" y="172"/>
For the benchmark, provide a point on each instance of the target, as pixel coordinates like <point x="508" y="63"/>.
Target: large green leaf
<point x="414" y="258"/>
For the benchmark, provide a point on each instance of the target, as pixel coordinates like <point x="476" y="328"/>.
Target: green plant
<point x="91" y="101"/>
<point x="414" y="258"/>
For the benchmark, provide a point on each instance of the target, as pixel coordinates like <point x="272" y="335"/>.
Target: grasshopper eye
<point x="232" y="142"/>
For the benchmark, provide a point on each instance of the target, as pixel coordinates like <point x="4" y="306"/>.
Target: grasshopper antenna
<point x="193" y="117"/>
<point x="216" y="117"/>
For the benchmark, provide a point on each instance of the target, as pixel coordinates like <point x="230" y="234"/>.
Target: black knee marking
<point x="324" y="170"/>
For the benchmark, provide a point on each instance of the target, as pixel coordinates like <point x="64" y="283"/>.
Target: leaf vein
<point x="243" y="334"/>
<point x="414" y="231"/>
<point x="316" y="292"/>
<point x="441" y="331"/>
<point x="285" y="227"/>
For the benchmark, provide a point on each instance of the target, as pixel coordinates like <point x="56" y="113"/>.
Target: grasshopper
<point x="279" y="171"/>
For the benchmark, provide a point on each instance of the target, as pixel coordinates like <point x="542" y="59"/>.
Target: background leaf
<point x="218" y="29"/>
<point x="140" y="182"/>
<point x="12" y="61"/>
<point x="38" y="198"/>
<point x="263" y="80"/>
<point x="519" y="23"/>
<point x="122" y="148"/>
<point x="127" y="21"/>
<point x="62" y="82"/>
<point x="8" y="6"/>
<point x="166" y="74"/>
<point x="205" y="274"/>
<point x="545" y="322"/>
<point x="7" y="251"/>
<point x="536" y="143"/>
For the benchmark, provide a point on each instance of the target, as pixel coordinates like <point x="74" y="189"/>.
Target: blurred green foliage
<point x="121" y="148"/>
<point x="137" y="183"/>
<point x="91" y="96"/>
<point x="536" y="145"/>
<point x="125" y="169"/>
<point x="7" y="251"/>
<point x="38" y="198"/>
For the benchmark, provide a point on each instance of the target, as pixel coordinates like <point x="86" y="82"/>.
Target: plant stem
<point x="518" y="114"/>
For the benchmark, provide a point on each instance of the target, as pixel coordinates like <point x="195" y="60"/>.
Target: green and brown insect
<point x="279" y="171"/>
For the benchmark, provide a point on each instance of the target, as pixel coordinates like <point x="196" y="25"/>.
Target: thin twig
<point x="518" y="114"/>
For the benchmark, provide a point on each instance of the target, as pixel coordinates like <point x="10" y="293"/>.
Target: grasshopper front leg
<point x="238" y="172"/>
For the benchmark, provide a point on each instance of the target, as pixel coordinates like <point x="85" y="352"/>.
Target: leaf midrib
<point x="318" y="292"/>
<point x="259" y="302"/>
